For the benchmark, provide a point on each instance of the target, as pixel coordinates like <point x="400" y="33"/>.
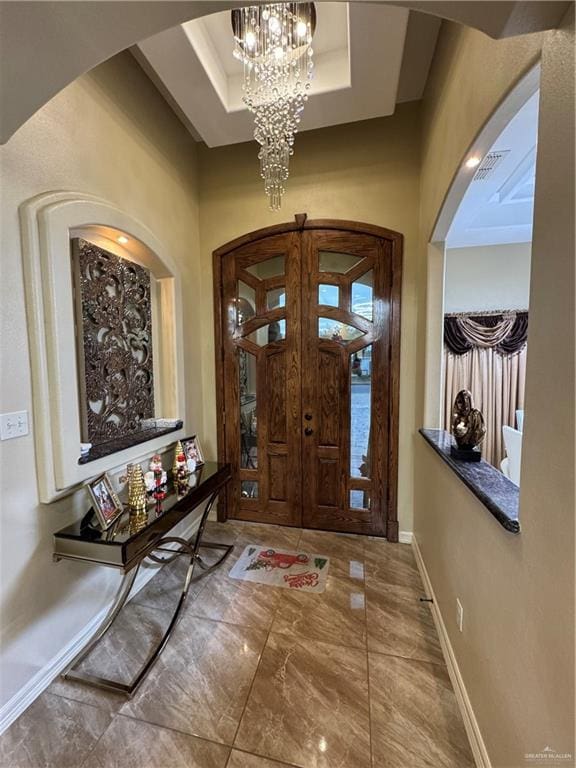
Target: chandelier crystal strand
<point x="273" y="42"/>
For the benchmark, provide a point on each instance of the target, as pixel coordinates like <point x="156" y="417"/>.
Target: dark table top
<point x="123" y="543"/>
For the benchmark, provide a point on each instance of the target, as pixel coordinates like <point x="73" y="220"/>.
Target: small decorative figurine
<point x="156" y="476"/>
<point x="156" y="463"/>
<point x="137" y="499"/>
<point x="467" y="427"/>
<point x="179" y="469"/>
<point x="136" y="488"/>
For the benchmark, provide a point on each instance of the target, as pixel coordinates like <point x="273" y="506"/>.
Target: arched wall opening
<point x="436" y="253"/>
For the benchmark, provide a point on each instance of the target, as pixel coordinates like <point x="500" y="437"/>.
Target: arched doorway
<point x="523" y="91"/>
<point x="308" y="335"/>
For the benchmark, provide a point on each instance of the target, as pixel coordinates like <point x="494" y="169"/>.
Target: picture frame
<point x="107" y="505"/>
<point x="192" y="450"/>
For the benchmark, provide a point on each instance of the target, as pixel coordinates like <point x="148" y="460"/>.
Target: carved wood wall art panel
<point x="114" y="336"/>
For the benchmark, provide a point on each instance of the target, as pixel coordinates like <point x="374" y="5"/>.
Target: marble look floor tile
<point x="245" y="760"/>
<point x="165" y="587"/>
<point x="414" y="716"/>
<point x="52" y="733"/>
<point x="346" y="551"/>
<point x="259" y="533"/>
<point x="221" y="533"/>
<point x="235" y="601"/>
<point x="133" y="744"/>
<point x="400" y="625"/>
<point x="200" y="683"/>
<point x="337" y="615"/>
<point x="393" y="564"/>
<point x="128" y="643"/>
<point x="107" y="700"/>
<point x="308" y="706"/>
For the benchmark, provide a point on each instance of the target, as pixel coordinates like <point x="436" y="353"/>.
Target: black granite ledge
<point x="120" y="443"/>
<point x="498" y="494"/>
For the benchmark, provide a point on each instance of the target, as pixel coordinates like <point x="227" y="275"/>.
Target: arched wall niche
<point x="48" y="222"/>
<point x="480" y="146"/>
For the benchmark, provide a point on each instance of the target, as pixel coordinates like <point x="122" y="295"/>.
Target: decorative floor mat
<point x="278" y="568"/>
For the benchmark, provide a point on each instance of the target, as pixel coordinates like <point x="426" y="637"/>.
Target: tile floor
<point x="257" y="677"/>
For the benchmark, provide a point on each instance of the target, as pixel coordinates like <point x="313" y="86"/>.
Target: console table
<point x="130" y="541"/>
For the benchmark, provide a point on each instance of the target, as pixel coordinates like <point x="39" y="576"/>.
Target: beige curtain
<point x="497" y="385"/>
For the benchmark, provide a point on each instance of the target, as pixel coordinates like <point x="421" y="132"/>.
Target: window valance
<point x="506" y="332"/>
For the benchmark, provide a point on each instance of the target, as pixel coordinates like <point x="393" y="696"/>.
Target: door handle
<point x="308" y="416"/>
<point x="308" y="431"/>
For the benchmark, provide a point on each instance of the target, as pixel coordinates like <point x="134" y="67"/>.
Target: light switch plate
<point x="13" y="425"/>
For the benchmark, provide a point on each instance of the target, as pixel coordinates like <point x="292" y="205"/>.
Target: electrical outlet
<point x="13" y="425"/>
<point x="459" y="614"/>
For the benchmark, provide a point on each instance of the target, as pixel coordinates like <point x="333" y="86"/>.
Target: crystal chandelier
<point x="273" y="41"/>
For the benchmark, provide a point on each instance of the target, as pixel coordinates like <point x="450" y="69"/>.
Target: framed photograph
<point x="192" y="451"/>
<point x="107" y="505"/>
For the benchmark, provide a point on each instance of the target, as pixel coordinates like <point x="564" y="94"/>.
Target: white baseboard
<point x="477" y="745"/>
<point x="405" y="537"/>
<point x="21" y="700"/>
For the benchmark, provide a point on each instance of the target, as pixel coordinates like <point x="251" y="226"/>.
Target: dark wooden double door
<point x="307" y="328"/>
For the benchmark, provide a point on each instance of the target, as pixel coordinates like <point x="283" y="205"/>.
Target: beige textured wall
<point x="516" y="653"/>
<point x="112" y="135"/>
<point x="364" y="171"/>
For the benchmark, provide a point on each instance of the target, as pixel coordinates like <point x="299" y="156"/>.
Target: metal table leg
<point x="189" y="547"/>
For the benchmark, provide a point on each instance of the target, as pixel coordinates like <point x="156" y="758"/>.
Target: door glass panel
<point x="276" y="298"/>
<point x="362" y="295"/>
<point x="245" y="302"/>
<point x="360" y="499"/>
<point x="331" y="261"/>
<point x="337" y="331"/>
<point x="249" y="489"/>
<point x="328" y="295"/>
<point x="360" y="399"/>
<point x="248" y="422"/>
<point x="270" y="268"/>
<point x="268" y="333"/>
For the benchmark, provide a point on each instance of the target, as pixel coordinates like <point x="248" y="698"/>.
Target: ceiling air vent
<point x="489" y="164"/>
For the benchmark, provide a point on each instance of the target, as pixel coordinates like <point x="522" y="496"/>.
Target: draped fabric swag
<point x="486" y="353"/>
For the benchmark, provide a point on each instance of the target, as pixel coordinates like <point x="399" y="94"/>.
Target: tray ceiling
<point x="367" y="58"/>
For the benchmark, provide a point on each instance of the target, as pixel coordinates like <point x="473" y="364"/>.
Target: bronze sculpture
<point x="467" y="427"/>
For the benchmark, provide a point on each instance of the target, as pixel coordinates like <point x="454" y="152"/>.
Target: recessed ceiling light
<point x="472" y="162"/>
<point x="122" y="239"/>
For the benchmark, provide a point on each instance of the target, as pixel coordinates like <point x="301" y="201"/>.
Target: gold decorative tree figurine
<point x="137" y="498"/>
